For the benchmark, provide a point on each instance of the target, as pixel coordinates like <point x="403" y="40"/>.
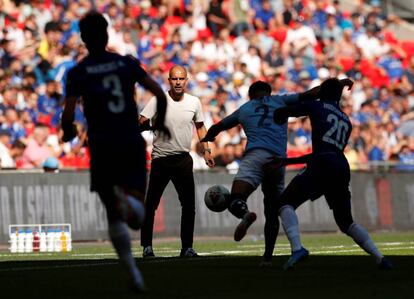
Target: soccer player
<point x="265" y="140"/>
<point x="106" y="82"/>
<point x="327" y="172"/>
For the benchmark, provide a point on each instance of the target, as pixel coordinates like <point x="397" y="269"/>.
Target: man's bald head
<point x="177" y="69"/>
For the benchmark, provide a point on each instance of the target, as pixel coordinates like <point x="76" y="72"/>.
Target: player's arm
<point x="281" y="115"/>
<point x="148" y="83"/>
<point x="281" y="162"/>
<point x="73" y="93"/>
<point x="310" y="95"/>
<point x="314" y="93"/>
<point x="297" y="160"/>
<point x="346" y="82"/>
<point x="68" y="117"/>
<point x="201" y="132"/>
<point x="151" y="85"/>
<point x="226" y="123"/>
<point x="144" y="123"/>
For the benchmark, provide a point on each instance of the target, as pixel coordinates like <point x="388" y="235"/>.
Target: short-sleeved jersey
<point x="331" y="127"/>
<point x="106" y="84"/>
<point x="179" y="118"/>
<point x="256" y="117"/>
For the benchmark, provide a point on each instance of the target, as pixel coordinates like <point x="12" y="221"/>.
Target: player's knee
<point x="344" y="224"/>
<point x="138" y="214"/>
<point x="343" y="219"/>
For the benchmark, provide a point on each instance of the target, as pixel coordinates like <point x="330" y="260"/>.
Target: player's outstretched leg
<point x="119" y="235"/>
<point x="290" y="225"/>
<point x="130" y="209"/>
<point x="238" y="207"/>
<point x="360" y="235"/>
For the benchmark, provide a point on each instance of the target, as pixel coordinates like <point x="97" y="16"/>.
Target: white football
<point x="217" y="198"/>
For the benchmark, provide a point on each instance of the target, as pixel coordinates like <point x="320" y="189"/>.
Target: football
<point x="217" y="198"/>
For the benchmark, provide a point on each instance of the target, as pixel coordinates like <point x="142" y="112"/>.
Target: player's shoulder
<point x="131" y="60"/>
<point x="77" y="68"/>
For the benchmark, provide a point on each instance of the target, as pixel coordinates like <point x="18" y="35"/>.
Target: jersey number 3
<point x="336" y="135"/>
<point x="113" y="83"/>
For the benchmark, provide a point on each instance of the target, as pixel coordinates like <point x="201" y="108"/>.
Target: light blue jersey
<point x="256" y="117"/>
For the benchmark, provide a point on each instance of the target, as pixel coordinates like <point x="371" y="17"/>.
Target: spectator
<point x="6" y="161"/>
<point x="37" y="150"/>
<point x="226" y="156"/>
<point x="239" y="15"/>
<point x="263" y="16"/>
<point x="216" y="19"/>
<point x="332" y="30"/>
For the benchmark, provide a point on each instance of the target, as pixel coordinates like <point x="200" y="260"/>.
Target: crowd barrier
<point x="380" y="201"/>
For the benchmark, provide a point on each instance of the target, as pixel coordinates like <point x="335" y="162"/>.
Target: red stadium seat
<point x="347" y="63"/>
<point x="408" y="47"/>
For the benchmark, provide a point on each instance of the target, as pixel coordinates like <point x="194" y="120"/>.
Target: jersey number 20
<point x="336" y="135"/>
<point x="112" y="82"/>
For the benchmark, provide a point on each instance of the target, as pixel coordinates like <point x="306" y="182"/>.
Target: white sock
<point x="362" y="238"/>
<point x="291" y="226"/>
<point x="118" y="232"/>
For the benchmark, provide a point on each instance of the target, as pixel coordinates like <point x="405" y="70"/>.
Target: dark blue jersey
<point x="106" y="84"/>
<point x="331" y="127"/>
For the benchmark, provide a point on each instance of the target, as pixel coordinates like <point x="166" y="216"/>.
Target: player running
<point x="106" y="82"/>
<point x="327" y="172"/>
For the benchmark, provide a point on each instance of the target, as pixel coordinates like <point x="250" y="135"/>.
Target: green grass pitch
<point x="336" y="269"/>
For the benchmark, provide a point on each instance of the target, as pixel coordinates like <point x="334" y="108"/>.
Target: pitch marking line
<point x="206" y="255"/>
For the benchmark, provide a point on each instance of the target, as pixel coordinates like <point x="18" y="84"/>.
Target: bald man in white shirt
<point x="171" y="160"/>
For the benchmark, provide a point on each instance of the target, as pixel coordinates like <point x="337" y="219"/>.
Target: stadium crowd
<point x="225" y="45"/>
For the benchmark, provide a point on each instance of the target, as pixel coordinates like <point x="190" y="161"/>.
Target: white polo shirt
<point x="179" y="120"/>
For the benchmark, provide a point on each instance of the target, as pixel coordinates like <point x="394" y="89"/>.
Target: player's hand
<point x="278" y="117"/>
<point x="145" y="126"/>
<point x="209" y="159"/>
<point x="347" y="82"/>
<point x="69" y="132"/>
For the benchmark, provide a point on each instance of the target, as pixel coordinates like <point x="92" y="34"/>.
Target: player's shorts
<point x="328" y="175"/>
<point x="122" y="164"/>
<point x="251" y="166"/>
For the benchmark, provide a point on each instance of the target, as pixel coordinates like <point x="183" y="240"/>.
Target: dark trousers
<point x="179" y="169"/>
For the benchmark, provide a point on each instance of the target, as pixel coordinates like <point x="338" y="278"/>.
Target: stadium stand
<point x="226" y="45"/>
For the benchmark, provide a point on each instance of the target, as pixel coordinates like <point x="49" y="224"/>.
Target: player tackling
<point x="327" y="172"/>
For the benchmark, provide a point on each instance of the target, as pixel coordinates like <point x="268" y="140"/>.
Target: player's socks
<point x="118" y="232"/>
<point x="131" y="209"/>
<point x="362" y="238"/>
<point x="290" y="225"/>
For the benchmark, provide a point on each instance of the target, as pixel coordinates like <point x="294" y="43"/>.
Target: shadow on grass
<point x="211" y="277"/>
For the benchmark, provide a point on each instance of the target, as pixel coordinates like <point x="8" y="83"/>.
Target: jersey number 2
<point x="112" y="82"/>
<point x="336" y="135"/>
<point x="261" y="122"/>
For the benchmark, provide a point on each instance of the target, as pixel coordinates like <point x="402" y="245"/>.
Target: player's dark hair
<point x="259" y="89"/>
<point x="93" y="27"/>
<point x="331" y="90"/>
